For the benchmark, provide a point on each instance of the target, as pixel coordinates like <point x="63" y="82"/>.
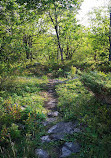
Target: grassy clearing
<point x="77" y="103"/>
<point x="21" y="113"/>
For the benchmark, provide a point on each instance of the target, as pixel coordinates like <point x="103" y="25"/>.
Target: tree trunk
<point x="59" y="45"/>
<point x="57" y="33"/>
<point x="110" y="39"/>
<point x="25" y="41"/>
<point x="30" y="46"/>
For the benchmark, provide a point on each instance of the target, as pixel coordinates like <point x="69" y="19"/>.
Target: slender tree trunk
<point x="25" y="41"/>
<point x="59" y="45"/>
<point x="57" y="32"/>
<point x="95" y="56"/>
<point x="30" y="46"/>
<point x="110" y="38"/>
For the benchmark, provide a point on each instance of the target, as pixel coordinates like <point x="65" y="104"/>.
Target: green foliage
<point x="35" y="38"/>
<point x="14" y="132"/>
<point x="77" y="103"/>
<point x="99" y="36"/>
<point x="73" y="71"/>
<point x="21" y="113"/>
<point x="72" y="95"/>
<point x="98" y="82"/>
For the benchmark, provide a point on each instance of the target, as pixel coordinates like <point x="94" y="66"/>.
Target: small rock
<point x="53" y="114"/>
<point x="77" y="130"/>
<point x="41" y="153"/>
<point x="69" y="148"/>
<point x="74" y="147"/>
<point x="50" y="91"/>
<point x="45" y="139"/>
<point x="65" y="152"/>
<point x="48" y="121"/>
<point x="56" y="113"/>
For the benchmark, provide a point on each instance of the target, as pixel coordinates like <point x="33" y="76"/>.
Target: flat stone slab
<point x="41" y="153"/>
<point x="59" y="130"/>
<point x="69" y="148"/>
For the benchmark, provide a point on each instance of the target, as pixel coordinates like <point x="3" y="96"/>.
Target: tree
<point x="99" y="32"/>
<point x="55" y="10"/>
<point x="10" y="34"/>
<point x="15" y="21"/>
<point x="58" y="14"/>
<point x="110" y="33"/>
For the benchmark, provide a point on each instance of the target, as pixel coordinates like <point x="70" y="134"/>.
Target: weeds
<point x="21" y="116"/>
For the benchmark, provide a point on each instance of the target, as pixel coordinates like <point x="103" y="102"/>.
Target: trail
<point x="51" y="104"/>
<point x="56" y="128"/>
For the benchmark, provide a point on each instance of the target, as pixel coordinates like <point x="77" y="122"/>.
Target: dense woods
<point x="42" y="40"/>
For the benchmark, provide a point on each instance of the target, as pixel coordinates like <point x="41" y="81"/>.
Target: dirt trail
<point x="51" y="104"/>
<point x="56" y="128"/>
<point x="52" y="96"/>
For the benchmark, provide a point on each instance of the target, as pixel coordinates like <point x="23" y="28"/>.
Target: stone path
<point x="51" y="104"/>
<point x="58" y="131"/>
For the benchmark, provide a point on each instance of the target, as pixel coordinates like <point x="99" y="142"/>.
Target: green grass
<point x="21" y="114"/>
<point x="77" y="103"/>
<point x="71" y="95"/>
<point x="97" y="81"/>
<point x="22" y="111"/>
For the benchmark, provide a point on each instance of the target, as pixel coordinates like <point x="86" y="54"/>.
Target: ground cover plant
<point x="76" y="102"/>
<point x="99" y="83"/>
<point x="21" y="113"/>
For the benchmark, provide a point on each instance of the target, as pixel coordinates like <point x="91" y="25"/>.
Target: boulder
<point x="59" y="130"/>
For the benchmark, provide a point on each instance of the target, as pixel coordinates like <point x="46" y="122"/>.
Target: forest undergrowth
<point x="22" y="111"/>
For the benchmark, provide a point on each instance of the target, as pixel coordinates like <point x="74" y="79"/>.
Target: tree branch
<point x="51" y="18"/>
